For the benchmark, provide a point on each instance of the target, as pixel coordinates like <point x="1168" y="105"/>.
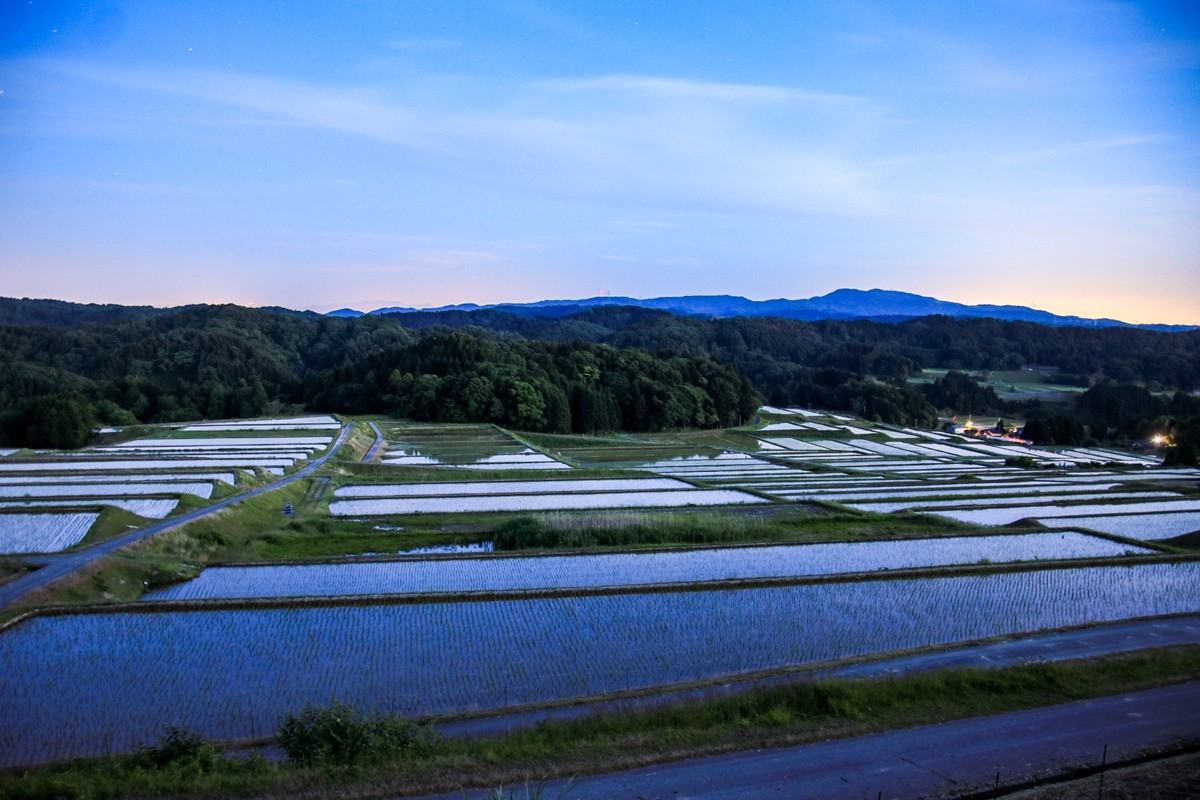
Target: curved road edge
<point x="374" y="448"/>
<point x="964" y="758"/>
<point x="59" y="566"/>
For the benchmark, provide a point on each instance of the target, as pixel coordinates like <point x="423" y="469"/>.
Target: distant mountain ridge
<point x="881" y="305"/>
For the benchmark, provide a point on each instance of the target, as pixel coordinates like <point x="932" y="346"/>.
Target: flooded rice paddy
<point x="631" y="569"/>
<point x="90" y="684"/>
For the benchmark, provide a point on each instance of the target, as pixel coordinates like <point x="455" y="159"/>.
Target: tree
<point x="1184" y="450"/>
<point x="62" y="422"/>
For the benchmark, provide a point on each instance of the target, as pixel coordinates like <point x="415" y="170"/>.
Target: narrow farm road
<point x="58" y="566"/>
<point x="370" y="454"/>
<point x="953" y="759"/>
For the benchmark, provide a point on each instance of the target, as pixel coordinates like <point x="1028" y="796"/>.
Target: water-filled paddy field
<point x="43" y="533"/>
<point x="77" y="685"/>
<point x="150" y="508"/>
<point x="1004" y="516"/>
<point x="530" y="502"/>
<point x="1145" y="527"/>
<point x="631" y="569"/>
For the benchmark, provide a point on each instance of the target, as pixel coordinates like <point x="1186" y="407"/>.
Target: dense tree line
<point x="864" y="367"/>
<point x="57" y="382"/>
<point x="193" y="363"/>
<point x="1111" y="412"/>
<point x="468" y="376"/>
<point x="1162" y="361"/>
<point x="65" y="368"/>
<point x="956" y="391"/>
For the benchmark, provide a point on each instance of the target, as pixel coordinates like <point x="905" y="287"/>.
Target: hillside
<point x="568" y="370"/>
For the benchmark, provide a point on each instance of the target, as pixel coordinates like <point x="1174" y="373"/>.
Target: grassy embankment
<point x="801" y="712"/>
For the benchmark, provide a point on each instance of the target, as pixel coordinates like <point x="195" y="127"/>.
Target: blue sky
<point x="318" y="154"/>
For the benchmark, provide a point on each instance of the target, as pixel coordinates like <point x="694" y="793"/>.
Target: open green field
<point x="1033" y="383"/>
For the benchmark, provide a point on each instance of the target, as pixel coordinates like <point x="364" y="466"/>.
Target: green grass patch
<point x="118" y="578"/>
<point x="553" y="441"/>
<point x="111" y="523"/>
<point x="11" y="568"/>
<point x="306" y="541"/>
<point x="799" y="712"/>
<point x="801" y="523"/>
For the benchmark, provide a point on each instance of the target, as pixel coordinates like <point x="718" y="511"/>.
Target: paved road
<point x="947" y="760"/>
<point x="370" y="454"/>
<point x="58" y="566"/>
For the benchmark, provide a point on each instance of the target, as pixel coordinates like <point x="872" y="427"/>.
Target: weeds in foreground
<point x="623" y="529"/>
<point x="533" y="791"/>
<point x="341" y="735"/>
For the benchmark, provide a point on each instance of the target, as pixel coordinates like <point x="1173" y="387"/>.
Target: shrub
<point x="341" y="735"/>
<point x="522" y="532"/>
<point x="178" y="747"/>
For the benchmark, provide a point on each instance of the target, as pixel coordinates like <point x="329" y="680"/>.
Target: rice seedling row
<point x="249" y="442"/>
<point x="203" y="490"/>
<point x="150" y="508"/>
<point x="509" y="487"/>
<point x="787" y="412"/>
<point x="478" y="503"/>
<point x="737" y="472"/>
<point x="162" y="477"/>
<point x="43" y="533"/>
<point x="1005" y="516"/>
<point x="528" y="467"/>
<point x="631" y="569"/>
<point x="282" y="423"/>
<point x="1146" y="527"/>
<point x="913" y="433"/>
<point x="1001" y="503"/>
<point x="206" y="452"/>
<point x="139" y="464"/>
<point x="913" y="492"/>
<point x="98" y="683"/>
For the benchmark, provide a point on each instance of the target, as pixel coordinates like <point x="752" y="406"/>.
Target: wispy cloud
<point x="658" y="142"/>
<point x="676" y="88"/>
<point x="1082" y="148"/>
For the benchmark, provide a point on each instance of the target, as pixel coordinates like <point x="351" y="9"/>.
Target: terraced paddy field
<point x="95" y="683"/>
<point x="497" y="573"/>
<point x="245" y="644"/>
<point x="149" y="477"/>
<point x="472" y="447"/>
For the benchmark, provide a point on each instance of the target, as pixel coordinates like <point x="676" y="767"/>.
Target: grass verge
<point x="798" y="713"/>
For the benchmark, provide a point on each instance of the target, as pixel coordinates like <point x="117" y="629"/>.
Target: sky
<point x="418" y="153"/>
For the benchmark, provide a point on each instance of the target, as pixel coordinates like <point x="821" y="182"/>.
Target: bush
<point x="340" y="735"/>
<point x="522" y="532"/>
<point x="178" y="747"/>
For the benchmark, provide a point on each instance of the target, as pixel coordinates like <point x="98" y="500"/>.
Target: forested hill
<point x="71" y="367"/>
<point x="56" y="382"/>
<point x="1084" y="356"/>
